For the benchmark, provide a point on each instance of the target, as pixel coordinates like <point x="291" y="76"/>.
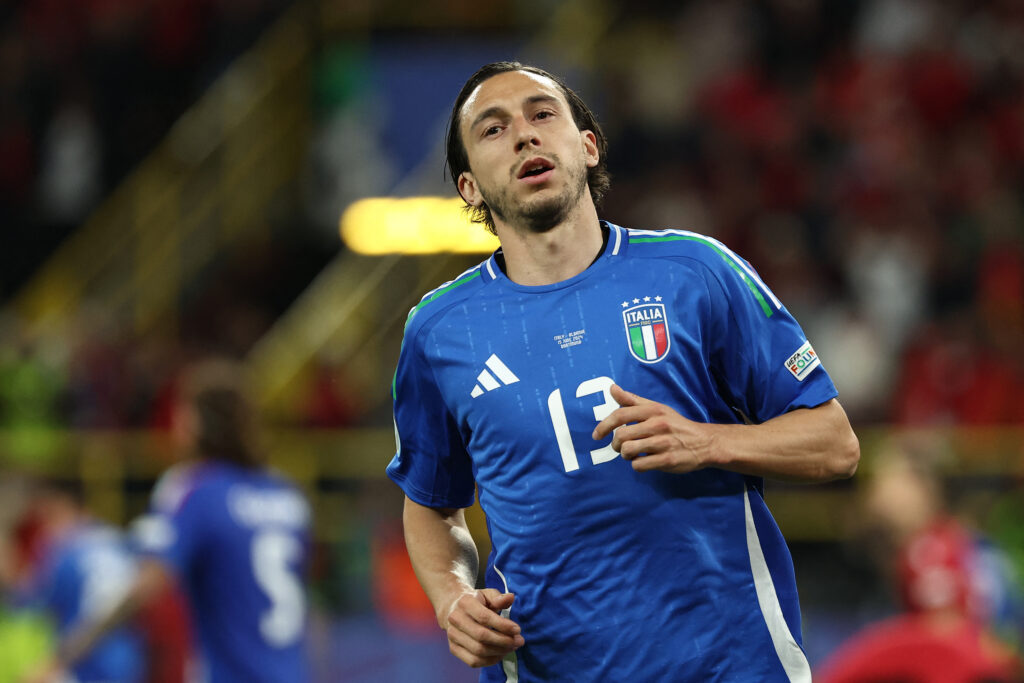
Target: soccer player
<point x="85" y="567"/>
<point x="235" y="535"/>
<point x="616" y="398"/>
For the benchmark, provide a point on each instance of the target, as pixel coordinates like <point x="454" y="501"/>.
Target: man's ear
<point x="469" y="190"/>
<point x="590" y="148"/>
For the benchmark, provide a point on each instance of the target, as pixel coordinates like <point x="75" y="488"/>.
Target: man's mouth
<point x="534" y="168"/>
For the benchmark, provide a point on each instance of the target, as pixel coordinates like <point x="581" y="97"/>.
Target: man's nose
<point x="526" y="134"/>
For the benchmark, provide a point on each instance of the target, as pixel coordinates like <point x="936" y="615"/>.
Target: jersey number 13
<point x="556" y="410"/>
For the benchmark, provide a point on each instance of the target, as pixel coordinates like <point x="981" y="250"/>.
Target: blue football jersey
<point x="82" y="574"/>
<point x="618" y="575"/>
<point x="238" y="540"/>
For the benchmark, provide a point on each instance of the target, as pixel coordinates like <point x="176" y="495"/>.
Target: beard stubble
<point x="542" y="215"/>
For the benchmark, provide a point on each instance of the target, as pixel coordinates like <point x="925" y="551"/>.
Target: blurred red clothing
<point x="921" y="648"/>
<point x="940" y="86"/>
<point x="945" y="636"/>
<point x="949" y="380"/>
<point x="935" y="571"/>
<point x="167" y="632"/>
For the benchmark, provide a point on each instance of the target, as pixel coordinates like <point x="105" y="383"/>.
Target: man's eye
<point x="492" y="130"/>
<point x="544" y="114"/>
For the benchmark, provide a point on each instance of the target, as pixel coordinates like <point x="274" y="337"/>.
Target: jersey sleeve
<point x="431" y="463"/>
<point x="759" y="354"/>
<point x="175" y="528"/>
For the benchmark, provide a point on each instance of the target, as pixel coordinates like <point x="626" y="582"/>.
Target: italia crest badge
<point x="647" y="333"/>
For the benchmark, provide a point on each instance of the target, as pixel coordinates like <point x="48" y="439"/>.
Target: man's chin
<point x="545" y="216"/>
<point x="541" y="223"/>
<point x="538" y="214"/>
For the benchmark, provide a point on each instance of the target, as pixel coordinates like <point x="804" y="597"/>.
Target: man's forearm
<point x="81" y="640"/>
<point x="808" y="444"/>
<point x="443" y="554"/>
<point x="152" y="578"/>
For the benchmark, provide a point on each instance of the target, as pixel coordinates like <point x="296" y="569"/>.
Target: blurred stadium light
<point x="414" y="225"/>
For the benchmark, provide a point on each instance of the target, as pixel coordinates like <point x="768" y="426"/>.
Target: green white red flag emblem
<point x="647" y="332"/>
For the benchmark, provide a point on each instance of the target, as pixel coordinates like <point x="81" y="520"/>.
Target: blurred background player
<point x="957" y="590"/>
<point x="82" y="568"/>
<point x="235" y="535"/>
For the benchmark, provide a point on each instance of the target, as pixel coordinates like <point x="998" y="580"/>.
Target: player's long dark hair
<point x="225" y="426"/>
<point x="457" y="161"/>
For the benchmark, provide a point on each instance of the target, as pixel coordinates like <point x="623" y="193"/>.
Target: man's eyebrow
<point x="493" y="111"/>
<point x="485" y="114"/>
<point x="535" y="99"/>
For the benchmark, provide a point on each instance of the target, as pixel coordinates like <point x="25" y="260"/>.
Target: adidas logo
<point x="488" y="381"/>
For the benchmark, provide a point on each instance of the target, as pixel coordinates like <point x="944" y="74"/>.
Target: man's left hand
<point x="653" y="436"/>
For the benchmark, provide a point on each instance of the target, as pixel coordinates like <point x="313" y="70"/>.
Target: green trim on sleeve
<point x="725" y="257"/>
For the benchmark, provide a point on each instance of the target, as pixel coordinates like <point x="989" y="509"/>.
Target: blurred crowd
<point x="87" y="89"/>
<point x="101" y="374"/>
<point x="868" y="159"/>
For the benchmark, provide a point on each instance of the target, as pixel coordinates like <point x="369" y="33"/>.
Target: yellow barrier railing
<point x="354" y="312"/>
<point x="338" y="469"/>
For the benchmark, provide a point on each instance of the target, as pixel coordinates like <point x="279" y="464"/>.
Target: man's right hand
<point x="477" y="633"/>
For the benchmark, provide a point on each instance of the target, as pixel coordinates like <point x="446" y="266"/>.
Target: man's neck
<point x="562" y="252"/>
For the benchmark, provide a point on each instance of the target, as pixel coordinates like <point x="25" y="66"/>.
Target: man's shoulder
<point x="186" y="481"/>
<point x="675" y="242"/>
<point x="702" y="254"/>
<point x="443" y="298"/>
<point x="710" y="259"/>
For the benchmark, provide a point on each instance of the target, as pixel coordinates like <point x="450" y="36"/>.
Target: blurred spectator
<point x="908" y="508"/>
<point x="921" y="648"/>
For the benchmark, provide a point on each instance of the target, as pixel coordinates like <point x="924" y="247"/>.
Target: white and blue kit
<point x="238" y="540"/>
<point x="618" y="575"/>
<point x="83" y="574"/>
